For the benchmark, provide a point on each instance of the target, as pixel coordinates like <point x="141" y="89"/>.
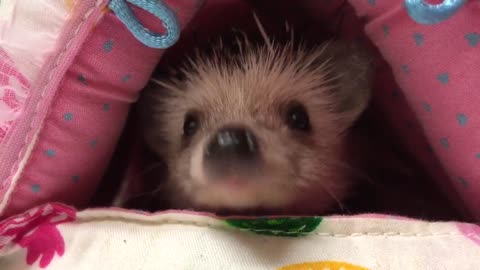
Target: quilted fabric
<point x="23" y="23"/>
<point x="56" y="237"/>
<point x="62" y="143"/>
<point x="434" y="52"/>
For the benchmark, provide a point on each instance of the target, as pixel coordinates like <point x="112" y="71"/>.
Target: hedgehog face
<point x="264" y="127"/>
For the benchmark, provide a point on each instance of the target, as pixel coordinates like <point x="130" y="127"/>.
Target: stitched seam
<point x="229" y="228"/>
<point x="14" y="173"/>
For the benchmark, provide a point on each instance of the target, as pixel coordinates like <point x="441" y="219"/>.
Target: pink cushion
<point x="436" y="67"/>
<point x="83" y="110"/>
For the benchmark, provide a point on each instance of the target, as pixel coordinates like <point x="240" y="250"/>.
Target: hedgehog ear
<point x="353" y="66"/>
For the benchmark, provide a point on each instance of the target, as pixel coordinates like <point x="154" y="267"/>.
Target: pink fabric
<point x="16" y="143"/>
<point x="13" y="91"/>
<point x="470" y="231"/>
<point x="436" y="68"/>
<point x="24" y="23"/>
<point x="36" y="231"/>
<point x="88" y="112"/>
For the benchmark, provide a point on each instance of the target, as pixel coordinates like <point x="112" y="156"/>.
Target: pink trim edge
<point x="22" y="134"/>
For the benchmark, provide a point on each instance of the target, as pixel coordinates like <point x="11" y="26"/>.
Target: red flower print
<point x="3" y="132"/>
<point x="13" y="91"/>
<point x="43" y="243"/>
<point x="36" y="231"/>
<point x="7" y="70"/>
<point x="10" y="98"/>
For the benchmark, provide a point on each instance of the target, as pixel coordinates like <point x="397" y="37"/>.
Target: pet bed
<point x="70" y="70"/>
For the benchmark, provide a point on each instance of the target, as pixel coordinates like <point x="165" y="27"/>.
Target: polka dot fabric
<point x="88" y="111"/>
<point x="436" y="61"/>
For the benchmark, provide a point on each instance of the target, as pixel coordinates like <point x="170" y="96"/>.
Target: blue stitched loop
<point x="144" y="35"/>
<point x="425" y="13"/>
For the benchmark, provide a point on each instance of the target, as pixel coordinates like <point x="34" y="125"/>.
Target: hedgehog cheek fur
<point x="254" y="88"/>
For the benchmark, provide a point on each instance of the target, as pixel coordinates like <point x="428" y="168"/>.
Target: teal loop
<point x="143" y="34"/>
<point x="424" y="13"/>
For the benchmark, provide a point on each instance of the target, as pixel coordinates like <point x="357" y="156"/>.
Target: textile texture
<point x="56" y="237"/>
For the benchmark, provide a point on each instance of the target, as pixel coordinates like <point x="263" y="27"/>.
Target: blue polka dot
<point x="473" y="39"/>
<point x="427" y="107"/>
<point x="418" y="39"/>
<point x="444" y="142"/>
<point x="93" y="143"/>
<point x="386" y="30"/>
<point x="82" y="79"/>
<point x="443" y="78"/>
<point x="68" y="116"/>
<point x="50" y="152"/>
<point x="477" y="155"/>
<point x="108" y="45"/>
<point x="462" y="119"/>
<point x="126" y="78"/>
<point x="35" y="188"/>
<point x="75" y="178"/>
<point x="372" y="2"/>
<point x="106" y="107"/>
<point x="405" y="69"/>
<point x="463" y="182"/>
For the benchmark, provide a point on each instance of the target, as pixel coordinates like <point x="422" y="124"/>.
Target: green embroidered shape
<point x="291" y="227"/>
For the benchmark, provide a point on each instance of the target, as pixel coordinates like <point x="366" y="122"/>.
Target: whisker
<point x="342" y="206"/>
<point x="150" y="192"/>
<point x="355" y="171"/>
<point x="338" y="202"/>
<point x="150" y="168"/>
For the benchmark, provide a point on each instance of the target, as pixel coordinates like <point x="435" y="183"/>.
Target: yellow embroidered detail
<point x="323" y="265"/>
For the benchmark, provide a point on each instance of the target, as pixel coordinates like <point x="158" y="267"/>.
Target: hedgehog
<point x="258" y="125"/>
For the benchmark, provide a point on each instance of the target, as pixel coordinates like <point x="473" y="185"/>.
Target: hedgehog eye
<point x="190" y="125"/>
<point x="297" y="118"/>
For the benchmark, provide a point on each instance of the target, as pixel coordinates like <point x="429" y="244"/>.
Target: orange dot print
<point x="323" y="265"/>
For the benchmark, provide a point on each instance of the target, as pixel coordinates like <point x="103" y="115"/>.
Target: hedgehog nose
<point x="232" y="144"/>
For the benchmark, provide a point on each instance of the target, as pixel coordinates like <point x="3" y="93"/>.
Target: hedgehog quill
<point x="259" y="125"/>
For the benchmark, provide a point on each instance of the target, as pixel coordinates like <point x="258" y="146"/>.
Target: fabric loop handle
<point x="424" y="13"/>
<point x="143" y="34"/>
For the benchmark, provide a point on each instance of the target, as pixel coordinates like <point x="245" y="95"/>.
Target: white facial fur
<point x="253" y="88"/>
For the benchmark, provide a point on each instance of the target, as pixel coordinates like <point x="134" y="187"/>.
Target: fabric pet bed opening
<point x="415" y="190"/>
<point x="69" y="132"/>
<point x="74" y="167"/>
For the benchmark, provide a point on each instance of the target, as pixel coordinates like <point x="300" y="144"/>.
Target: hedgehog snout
<point x="231" y="150"/>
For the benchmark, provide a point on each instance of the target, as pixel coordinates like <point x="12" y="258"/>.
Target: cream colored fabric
<point x="114" y="239"/>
